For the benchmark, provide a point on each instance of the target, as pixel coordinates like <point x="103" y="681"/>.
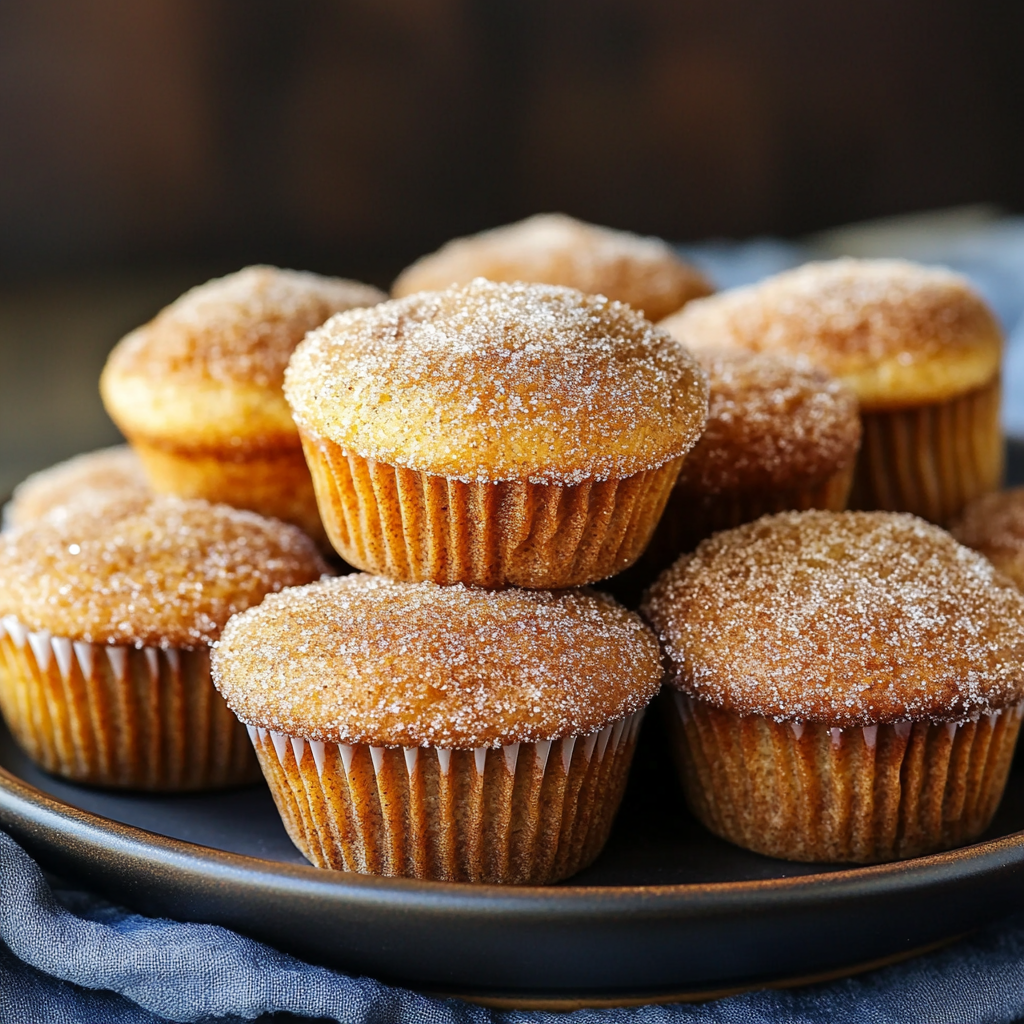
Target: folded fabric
<point x="79" y="959"/>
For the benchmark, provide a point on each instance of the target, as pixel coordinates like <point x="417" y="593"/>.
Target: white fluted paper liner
<point x="112" y="715"/>
<point x="808" y="792"/>
<point x="527" y="813"/>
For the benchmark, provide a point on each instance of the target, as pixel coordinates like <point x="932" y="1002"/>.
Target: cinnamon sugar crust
<point x="164" y="573"/>
<point x="994" y="525"/>
<point x="845" y="618"/>
<point x="95" y="478"/>
<point x="492" y="382"/>
<point x="207" y="370"/>
<point x="898" y="333"/>
<point x="773" y="423"/>
<point x="365" y="659"/>
<point x="552" y="248"/>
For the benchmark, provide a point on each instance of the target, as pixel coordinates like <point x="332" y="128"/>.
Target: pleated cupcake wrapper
<point x="931" y="460"/>
<point x="274" y="483"/>
<point x="415" y="526"/>
<point x="806" y="792"/>
<point x="690" y="516"/>
<point x="527" y="813"/>
<point x="140" y="718"/>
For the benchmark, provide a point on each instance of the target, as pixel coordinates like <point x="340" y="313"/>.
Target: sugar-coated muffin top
<point x="845" y="618"/>
<point x="897" y="333"/>
<point x="552" y="248"/>
<point x="994" y="525"/>
<point x="493" y="382"/>
<point x="164" y="573"/>
<point x="773" y="422"/>
<point x="207" y="370"/>
<point x="365" y="659"/>
<point x="110" y="474"/>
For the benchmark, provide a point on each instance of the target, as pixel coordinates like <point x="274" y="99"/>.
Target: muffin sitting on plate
<point x="552" y="248"/>
<point x="494" y="434"/>
<point x="197" y="390"/>
<point x="917" y="345"/>
<point x="442" y="732"/>
<point x="846" y="686"/>
<point x="106" y="619"/>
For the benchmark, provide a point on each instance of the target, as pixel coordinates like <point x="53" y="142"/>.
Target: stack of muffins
<point x="509" y="428"/>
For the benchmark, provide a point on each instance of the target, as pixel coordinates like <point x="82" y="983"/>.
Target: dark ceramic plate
<point x="667" y="909"/>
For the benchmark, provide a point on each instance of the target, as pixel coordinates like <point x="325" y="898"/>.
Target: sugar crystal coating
<point x="237" y="329"/>
<point x="109" y="474"/>
<point x="773" y="422"/>
<point x="365" y="659"/>
<point x="551" y="248"/>
<point x="166" y="573"/>
<point x="994" y="525"/>
<point x="846" y="618"/>
<point x="491" y="382"/>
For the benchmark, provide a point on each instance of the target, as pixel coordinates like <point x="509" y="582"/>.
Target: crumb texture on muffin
<point x="773" y="422"/>
<point x="99" y="477"/>
<point x="166" y="573"/>
<point x="849" y="618"/>
<point x="364" y="659"/>
<point x="551" y="248"/>
<point x="496" y="382"/>
<point x="210" y="365"/>
<point x="896" y="332"/>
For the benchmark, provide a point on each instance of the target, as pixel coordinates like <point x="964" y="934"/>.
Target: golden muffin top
<point x="365" y="659"/>
<point x="552" y="248"/>
<point x="772" y="422"/>
<point x="494" y="382"/>
<point x="845" y="618"/>
<point x="897" y="333"/>
<point x="209" y="366"/>
<point x="162" y="573"/>
<point x="107" y="475"/>
<point x="994" y="525"/>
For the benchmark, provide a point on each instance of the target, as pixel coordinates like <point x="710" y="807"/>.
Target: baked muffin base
<point x="931" y="460"/>
<point x="689" y="517"/>
<point x="806" y="792"/>
<point x="120" y="716"/>
<point x="528" y="813"/>
<point x="415" y="526"/>
<point x="273" y="483"/>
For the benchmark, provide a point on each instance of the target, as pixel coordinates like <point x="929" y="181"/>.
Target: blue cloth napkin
<point x="67" y="957"/>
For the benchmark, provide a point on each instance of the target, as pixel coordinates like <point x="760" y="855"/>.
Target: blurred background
<point x="146" y="145"/>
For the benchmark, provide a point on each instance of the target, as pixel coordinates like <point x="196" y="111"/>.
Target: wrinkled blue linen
<point x="71" y="958"/>
<point x="78" y="959"/>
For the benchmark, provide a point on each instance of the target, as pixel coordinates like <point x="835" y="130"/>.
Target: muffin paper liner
<point x="527" y="813"/>
<point x="139" y="718"/>
<point x="931" y="460"/>
<point x="416" y="526"/>
<point x="803" y="791"/>
<point x="273" y="483"/>
<point x="690" y="516"/>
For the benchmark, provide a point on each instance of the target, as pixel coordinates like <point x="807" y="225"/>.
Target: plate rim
<point x="37" y="808"/>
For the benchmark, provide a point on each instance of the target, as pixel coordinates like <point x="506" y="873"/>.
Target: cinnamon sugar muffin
<point x="552" y="248"/>
<point x="106" y="618"/>
<point x="197" y="390"/>
<point x="919" y="347"/>
<point x="994" y="525"/>
<point x="441" y="732"/>
<point x="846" y="685"/>
<point x="107" y="475"/>
<point x="780" y="435"/>
<point x="494" y="433"/>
